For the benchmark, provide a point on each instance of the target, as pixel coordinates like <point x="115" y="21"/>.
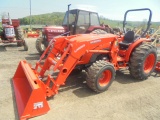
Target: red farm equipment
<point x="99" y="55"/>
<point x="12" y="33"/>
<point x="32" y="35"/>
<point x="75" y="21"/>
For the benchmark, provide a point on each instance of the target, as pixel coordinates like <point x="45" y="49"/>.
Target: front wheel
<point x="100" y="75"/>
<point x="40" y="45"/>
<point x="142" y="61"/>
<point x="19" y="36"/>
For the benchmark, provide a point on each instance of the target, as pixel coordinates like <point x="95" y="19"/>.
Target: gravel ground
<point x="126" y="99"/>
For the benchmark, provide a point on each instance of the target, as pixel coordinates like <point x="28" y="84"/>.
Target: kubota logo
<point x="80" y="47"/>
<point x="38" y="105"/>
<point x="95" y="41"/>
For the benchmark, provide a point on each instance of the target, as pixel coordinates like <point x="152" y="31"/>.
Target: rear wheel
<point x="100" y="75"/>
<point x="40" y="45"/>
<point x="19" y="36"/>
<point x="142" y="61"/>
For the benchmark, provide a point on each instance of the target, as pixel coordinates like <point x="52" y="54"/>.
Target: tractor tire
<point x="40" y="45"/>
<point x="98" y="31"/>
<point x="2" y="36"/>
<point x="19" y="36"/>
<point x="100" y="76"/>
<point x="142" y="61"/>
<point x="25" y="46"/>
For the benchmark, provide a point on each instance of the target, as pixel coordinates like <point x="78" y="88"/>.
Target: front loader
<point x="99" y="55"/>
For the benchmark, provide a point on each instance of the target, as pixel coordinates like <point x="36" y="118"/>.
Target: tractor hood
<point x="52" y="31"/>
<point x="91" y="37"/>
<point x="81" y="42"/>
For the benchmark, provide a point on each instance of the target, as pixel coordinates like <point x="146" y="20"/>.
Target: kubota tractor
<point x="12" y="33"/>
<point x="99" y="55"/>
<point x="76" y="21"/>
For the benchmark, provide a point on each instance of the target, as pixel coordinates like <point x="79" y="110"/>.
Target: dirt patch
<point x="126" y="99"/>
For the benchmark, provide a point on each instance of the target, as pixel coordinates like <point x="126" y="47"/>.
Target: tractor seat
<point x="128" y="39"/>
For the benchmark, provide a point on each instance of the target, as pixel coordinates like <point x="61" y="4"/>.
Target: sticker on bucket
<point x="38" y="105"/>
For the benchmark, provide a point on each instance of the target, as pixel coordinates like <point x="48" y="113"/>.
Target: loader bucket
<point x="30" y="97"/>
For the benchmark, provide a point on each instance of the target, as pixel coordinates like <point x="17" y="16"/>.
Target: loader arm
<point x="64" y="56"/>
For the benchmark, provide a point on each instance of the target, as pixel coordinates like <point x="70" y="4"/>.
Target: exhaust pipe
<point x="9" y="19"/>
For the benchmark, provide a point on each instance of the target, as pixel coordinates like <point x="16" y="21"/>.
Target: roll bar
<point x="142" y="9"/>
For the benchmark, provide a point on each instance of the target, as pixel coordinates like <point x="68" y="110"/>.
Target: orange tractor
<point x="12" y="33"/>
<point x="75" y="21"/>
<point x="99" y="55"/>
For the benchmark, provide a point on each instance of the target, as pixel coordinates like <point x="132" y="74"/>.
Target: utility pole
<point x="30" y="15"/>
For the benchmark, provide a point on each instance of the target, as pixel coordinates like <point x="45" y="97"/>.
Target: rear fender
<point x="133" y="46"/>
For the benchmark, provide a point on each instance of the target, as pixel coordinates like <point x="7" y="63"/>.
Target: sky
<point x="112" y="9"/>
